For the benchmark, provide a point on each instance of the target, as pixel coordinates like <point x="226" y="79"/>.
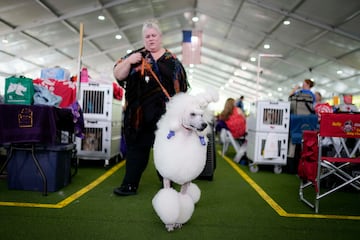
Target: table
<point x="24" y="127"/>
<point x="33" y="123"/>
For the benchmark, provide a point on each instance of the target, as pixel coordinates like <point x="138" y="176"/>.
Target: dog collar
<point x="170" y="134"/>
<point x="202" y="140"/>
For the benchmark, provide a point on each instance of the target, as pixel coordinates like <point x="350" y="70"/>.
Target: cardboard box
<point x="56" y="73"/>
<point x="55" y="162"/>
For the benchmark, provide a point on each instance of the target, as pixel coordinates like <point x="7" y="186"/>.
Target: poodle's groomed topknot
<point x="210" y="95"/>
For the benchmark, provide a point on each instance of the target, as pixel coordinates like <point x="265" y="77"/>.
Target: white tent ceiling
<point x="321" y="42"/>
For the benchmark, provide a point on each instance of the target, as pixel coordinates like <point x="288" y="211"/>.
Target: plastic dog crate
<point x="98" y="103"/>
<point x="270" y="116"/>
<point x="103" y="118"/>
<point x="256" y="148"/>
<point x="55" y="162"/>
<point x="101" y="142"/>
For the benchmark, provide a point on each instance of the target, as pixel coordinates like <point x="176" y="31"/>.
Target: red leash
<point x="146" y="66"/>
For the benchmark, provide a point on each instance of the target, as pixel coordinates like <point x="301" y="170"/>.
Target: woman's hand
<point x="122" y="69"/>
<point x="297" y="87"/>
<point x="134" y="58"/>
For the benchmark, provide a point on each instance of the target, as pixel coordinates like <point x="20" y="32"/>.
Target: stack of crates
<point x="270" y="122"/>
<point x="103" y="122"/>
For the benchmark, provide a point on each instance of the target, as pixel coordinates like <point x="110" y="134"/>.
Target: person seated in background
<point x="233" y="119"/>
<point x="348" y="105"/>
<point x="318" y="98"/>
<point x="320" y="106"/>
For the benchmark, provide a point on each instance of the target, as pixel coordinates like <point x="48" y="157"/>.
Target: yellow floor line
<point x="72" y="197"/>
<point x="278" y="209"/>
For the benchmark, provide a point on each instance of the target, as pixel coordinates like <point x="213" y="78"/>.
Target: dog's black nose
<point x="203" y="126"/>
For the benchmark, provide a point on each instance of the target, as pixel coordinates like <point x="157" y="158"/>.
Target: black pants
<point x="137" y="157"/>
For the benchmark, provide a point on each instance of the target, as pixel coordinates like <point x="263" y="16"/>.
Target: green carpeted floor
<point x="237" y="204"/>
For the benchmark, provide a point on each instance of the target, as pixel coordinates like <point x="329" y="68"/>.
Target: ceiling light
<point x="266" y="46"/>
<point x="5" y="41"/>
<point x="243" y="67"/>
<point x="195" y="19"/>
<point x="253" y="59"/>
<point x="339" y="72"/>
<point x="101" y="17"/>
<point x="286" y="22"/>
<point x="118" y="36"/>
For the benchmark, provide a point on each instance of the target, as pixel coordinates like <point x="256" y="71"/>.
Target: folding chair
<point x="337" y="129"/>
<point x="226" y="139"/>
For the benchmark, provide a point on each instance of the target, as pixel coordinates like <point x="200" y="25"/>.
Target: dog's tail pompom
<point x="167" y="205"/>
<point x="194" y="192"/>
<point x="187" y="208"/>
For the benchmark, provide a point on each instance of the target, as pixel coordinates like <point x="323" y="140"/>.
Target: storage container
<point x="56" y="73"/>
<point x="54" y="160"/>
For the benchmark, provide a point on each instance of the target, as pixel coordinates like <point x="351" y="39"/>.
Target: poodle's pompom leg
<point x="170" y="227"/>
<point x="166" y="204"/>
<point x="194" y="192"/>
<point x="187" y="208"/>
<point x="166" y="183"/>
<point x="184" y="188"/>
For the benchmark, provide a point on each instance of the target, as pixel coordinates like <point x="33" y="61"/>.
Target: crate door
<point x="273" y="117"/>
<point x="92" y="145"/>
<point x="256" y="147"/>
<point x="96" y="101"/>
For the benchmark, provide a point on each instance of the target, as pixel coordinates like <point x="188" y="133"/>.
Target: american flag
<point x="191" y="47"/>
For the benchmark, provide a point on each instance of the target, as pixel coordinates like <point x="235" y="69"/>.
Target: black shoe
<point x="125" y="190"/>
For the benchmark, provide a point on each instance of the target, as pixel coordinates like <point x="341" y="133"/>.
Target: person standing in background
<point x="240" y="104"/>
<point x="305" y="88"/>
<point x="143" y="74"/>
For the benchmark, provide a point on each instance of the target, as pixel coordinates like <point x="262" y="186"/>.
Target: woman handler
<point x="149" y="75"/>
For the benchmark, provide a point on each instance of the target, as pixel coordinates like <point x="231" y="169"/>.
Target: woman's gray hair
<point x="151" y="23"/>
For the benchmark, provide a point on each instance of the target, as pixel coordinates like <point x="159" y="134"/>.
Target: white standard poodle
<point x="180" y="155"/>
